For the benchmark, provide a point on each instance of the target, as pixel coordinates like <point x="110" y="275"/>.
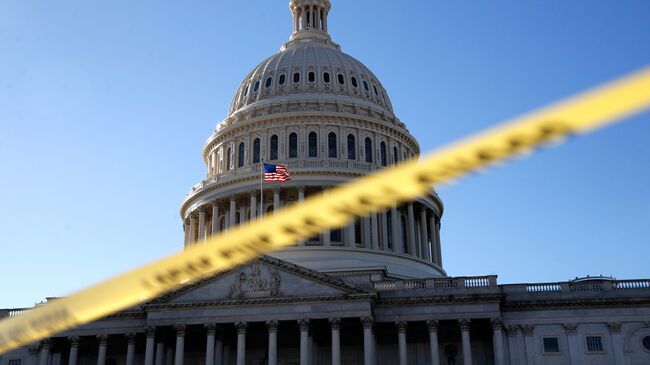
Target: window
<point x="352" y="149"/>
<point x="374" y="88"/>
<point x="594" y="343"/>
<point x="293" y="145"/>
<point x="341" y="79"/>
<point x="282" y="79"/>
<point x="15" y="362"/>
<point x="646" y="342"/>
<point x="274" y="147"/>
<point x="354" y="82"/>
<point x="311" y="76"/>
<point x="382" y="153"/>
<point x="395" y="155"/>
<point x="313" y="144"/>
<point x="368" y="149"/>
<point x="256" y="150"/>
<point x="551" y="345"/>
<point x="296" y="77"/>
<point x="228" y="153"/>
<point x="257" y="85"/>
<point x="331" y="145"/>
<point x="240" y="158"/>
<point x="326" y="77"/>
<point x="389" y="229"/>
<point x="269" y="81"/>
<point x="365" y="85"/>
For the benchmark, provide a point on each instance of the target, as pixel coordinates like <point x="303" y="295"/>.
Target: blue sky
<point x="104" y="107"/>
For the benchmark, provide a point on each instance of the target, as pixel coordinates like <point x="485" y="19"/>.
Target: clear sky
<point x="104" y="108"/>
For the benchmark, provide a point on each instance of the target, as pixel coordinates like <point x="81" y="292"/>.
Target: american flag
<point x="276" y="173"/>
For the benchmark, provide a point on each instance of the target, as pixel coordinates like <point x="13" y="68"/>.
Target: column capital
<point x="301" y="188"/>
<point x="401" y="326"/>
<point x="497" y="323"/>
<point x="215" y="202"/>
<point x="432" y="325"/>
<point x="241" y="328"/>
<point x="367" y="322"/>
<point x="272" y="326"/>
<point x="335" y="323"/>
<point x="232" y="198"/>
<point x="33" y="350"/>
<point x="103" y="339"/>
<point x="464" y="324"/>
<point x="528" y="329"/>
<point x="202" y="209"/>
<point x="180" y="330"/>
<point x="211" y="328"/>
<point x="304" y="324"/>
<point x="276" y="190"/>
<point x="512" y="329"/>
<point x="254" y="194"/>
<point x="130" y="338"/>
<point x="150" y="331"/>
<point x="570" y="328"/>
<point x="45" y="343"/>
<point x="74" y="341"/>
<point x="614" y="327"/>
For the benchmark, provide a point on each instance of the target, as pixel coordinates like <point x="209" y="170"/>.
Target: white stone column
<point x="515" y="345"/>
<point x="201" y="224"/>
<point x="148" y="352"/>
<point x="571" y="330"/>
<point x="529" y="343"/>
<point x="218" y="347"/>
<point x="74" y="350"/>
<point x="304" y="341"/>
<point x="303" y="18"/>
<point x="180" y="344"/>
<point x="232" y="212"/>
<point x="210" y="331"/>
<point x="186" y="232"/>
<point x="241" y="343"/>
<point x="374" y="230"/>
<point x="438" y="248"/>
<point x="44" y="355"/>
<point x="367" y="232"/>
<point x="130" y="349"/>
<point x="410" y="226"/>
<point x="276" y="199"/>
<point x="367" y="340"/>
<point x="432" y="235"/>
<point x="401" y="340"/>
<point x="467" y="344"/>
<point x="433" y="342"/>
<point x="335" y="324"/>
<point x="395" y="224"/>
<point x="215" y="219"/>
<point x="617" y="342"/>
<point x="192" y="228"/>
<point x="349" y="232"/>
<point x="424" y="239"/>
<point x="384" y="229"/>
<point x="101" y="353"/>
<point x="497" y="339"/>
<point x="33" y="354"/>
<point x="253" y="207"/>
<point x="316" y="17"/>
<point x="273" y="342"/>
<point x="160" y="352"/>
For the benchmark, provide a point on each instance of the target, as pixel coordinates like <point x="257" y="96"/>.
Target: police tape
<point x="391" y="186"/>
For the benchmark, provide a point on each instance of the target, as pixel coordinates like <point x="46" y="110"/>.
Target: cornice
<point x="573" y="303"/>
<point x="443" y="299"/>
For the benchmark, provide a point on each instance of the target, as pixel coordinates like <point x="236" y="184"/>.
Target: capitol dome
<point x="328" y="119"/>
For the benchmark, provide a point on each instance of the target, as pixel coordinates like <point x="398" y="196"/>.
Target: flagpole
<point x="261" y="188"/>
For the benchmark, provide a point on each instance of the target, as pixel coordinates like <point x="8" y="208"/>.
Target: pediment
<point x="264" y="278"/>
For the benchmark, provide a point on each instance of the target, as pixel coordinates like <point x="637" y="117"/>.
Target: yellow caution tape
<point x="391" y="186"/>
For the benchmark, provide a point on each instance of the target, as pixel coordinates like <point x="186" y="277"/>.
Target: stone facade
<point x="372" y="293"/>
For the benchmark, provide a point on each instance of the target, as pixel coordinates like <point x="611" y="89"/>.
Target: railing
<point x="436" y="283"/>
<point x="544" y="288"/>
<point x="18" y="312"/>
<point x="632" y="284"/>
<point x="587" y="287"/>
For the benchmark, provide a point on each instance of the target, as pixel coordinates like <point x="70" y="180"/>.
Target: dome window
<point x="282" y="79"/>
<point x="296" y="77"/>
<point x="293" y="145"/>
<point x="352" y="149"/>
<point x="228" y="159"/>
<point x="313" y="144"/>
<point x="354" y="82"/>
<point x="368" y="150"/>
<point x="365" y="85"/>
<point x="341" y="79"/>
<point x="331" y="145"/>
<point x="374" y="88"/>
<point x="269" y="80"/>
<point x="274" y="147"/>
<point x="240" y="158"/>
<point x="311" y="76"/>
<point x="395" y="155"/>
<point x="326" y="77"/>
<point x="382" y="153"/>
<point x="256" y="150"/>
<point x="257" y="86"/>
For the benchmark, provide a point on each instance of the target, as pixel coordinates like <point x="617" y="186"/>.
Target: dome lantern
<point x="309" y="20"/>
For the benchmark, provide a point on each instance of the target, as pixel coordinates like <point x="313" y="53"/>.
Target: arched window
<point x="240" y="158"/>
<point x="354" y="82"/>
<point x="365" y="85"/>
<point x="296" y="77"/>
<point x="228" y="154"/>
<point x="326" y="77"/>
<point x="313" y="144"/>
<point x="352" y="148"/>
<point x="273" y="155"/>
<point x="395" y="155"/>
<point x="269" y="81"/>
<point x="341" y="79"/>
<point x="331" y="145"/>
<point x="375" y="90"/>
<point x="382" y="153"/>
<point x="257" y="85"/>
<point x="389" y="229"/>
<point x="282" y="79"/>
<point x="256" y="150"/>
<point x="368" y="145"/>
<point x="293" y="145"/>
<point x="311" y="76"/>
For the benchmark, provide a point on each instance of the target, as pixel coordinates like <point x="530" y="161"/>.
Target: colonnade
<point x="309" y="17"/>
<point x="157" y="354"/>
<point x="413" y="228"/>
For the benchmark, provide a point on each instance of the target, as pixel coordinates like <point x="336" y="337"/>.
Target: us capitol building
<point x="374" y="292"/>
